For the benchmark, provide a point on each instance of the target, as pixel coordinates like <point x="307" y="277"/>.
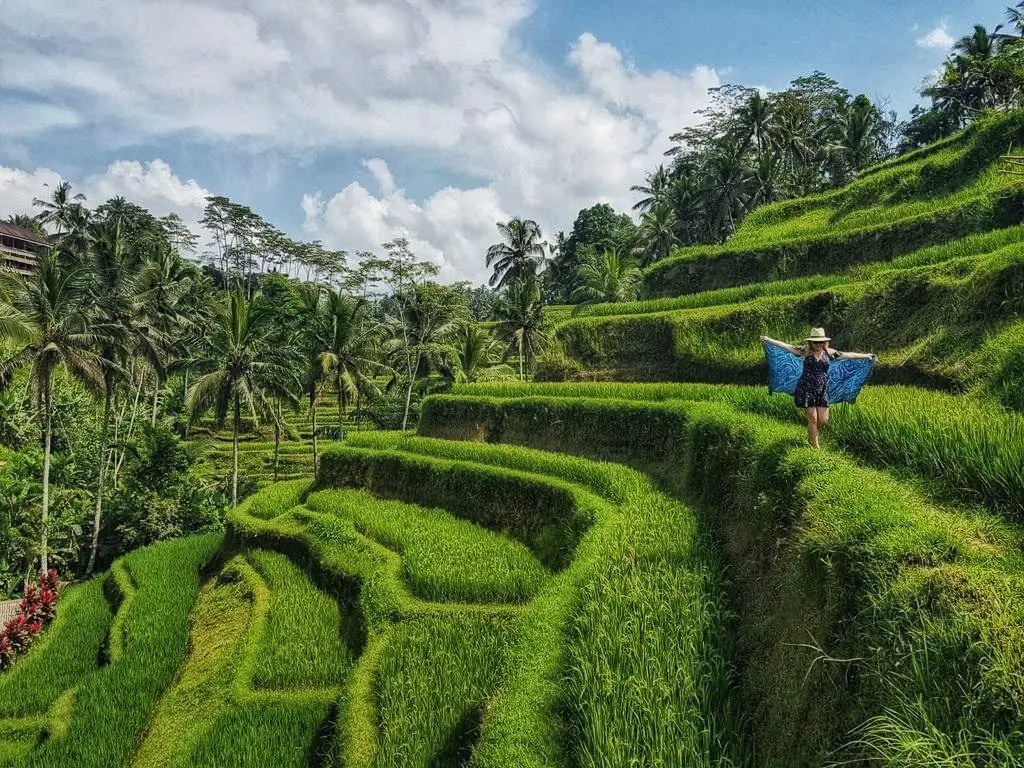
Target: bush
<point x="161" y="495"/>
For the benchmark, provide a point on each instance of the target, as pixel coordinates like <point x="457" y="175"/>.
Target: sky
<point x="355" y="121"/>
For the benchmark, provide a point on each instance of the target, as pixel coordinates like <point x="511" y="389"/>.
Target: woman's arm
<point x="834" y="353"/>
<point x="798" y="351"/>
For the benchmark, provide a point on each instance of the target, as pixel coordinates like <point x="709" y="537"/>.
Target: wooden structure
<point x="20" y="248"/>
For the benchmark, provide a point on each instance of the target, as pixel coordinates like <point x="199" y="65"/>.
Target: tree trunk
<point x="341" y="405"/>
<point x="185" y="385"/>
<point x="47" y="442"/>
<point x="108" y="403"/>
<point x="234" y="454"/>
<point x="277" y="440"/>
<point x="156" y="401"/>
<point x="408" y="402"/>
<point x="312" y="410"/>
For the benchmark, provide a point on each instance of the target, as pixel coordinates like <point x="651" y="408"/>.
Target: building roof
<point x="22" y="234"/>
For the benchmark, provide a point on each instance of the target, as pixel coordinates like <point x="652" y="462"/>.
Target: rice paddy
<point x="650" y="571"/>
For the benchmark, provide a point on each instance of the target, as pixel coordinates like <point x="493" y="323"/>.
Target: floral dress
<point x="812" y="388"/>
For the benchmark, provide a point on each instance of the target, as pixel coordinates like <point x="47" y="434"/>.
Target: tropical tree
<point x="242" y="370"/>
<point x="520" y="314"/>
<point x="754" y="122"/>
<point x="60" y="209"/>
<point x="45" y="318"/>
<point x="475" y="351"/>
<point x="655" y="189"/>
<point x="117" y="307"/>
<point x="518" y="254"/>
<point x="607" y="277"/>
<point x="657" y="233"/>
<point x="349" y="357"/>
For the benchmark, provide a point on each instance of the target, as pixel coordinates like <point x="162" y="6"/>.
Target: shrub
<point x="36" y="611"/>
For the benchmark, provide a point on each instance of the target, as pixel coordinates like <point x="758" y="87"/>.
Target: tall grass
<point x="68" y="652"/>
<point x="969" y="448"/>
<point x="433" y="681"/>
<point x="444" y="558"/>
<point x="610" y="660"/>
<point x="112" y="706"/>
<point x="831" y="561"/>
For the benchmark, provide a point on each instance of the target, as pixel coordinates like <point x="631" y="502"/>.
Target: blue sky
<point x="357" y="120"/>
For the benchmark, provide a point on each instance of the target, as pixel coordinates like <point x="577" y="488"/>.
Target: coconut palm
<point x="117" y="315"/>
<point x="518" y="254"/>
<point x="57" y="211"/>
<point x="520" y="325"/>
<point x="45" y="316"/>
<point x="313" y="343"/>
<point x="655" y="190"/>
<point x="658" y="233"/>
<point x="607" y="277"/>
<point x="475" y="351"/>
<point x="348" y="358"/>
<point x="243" y="370"/>
<point x="754" y="122"/>
<point x="858" y="140"/>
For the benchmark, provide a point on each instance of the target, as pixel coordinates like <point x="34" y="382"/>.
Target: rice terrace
<point x="729" y="473"/>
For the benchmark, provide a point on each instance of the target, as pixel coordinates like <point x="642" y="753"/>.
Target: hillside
<point x="612" y="574"/>
<point x="939" y="303"/>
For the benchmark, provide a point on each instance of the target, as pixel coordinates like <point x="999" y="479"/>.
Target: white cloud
<point x="448" y="228"/>
<point x="938" y="38"/>
<point x="447" y="77"/>
<point x="151" y="185"/>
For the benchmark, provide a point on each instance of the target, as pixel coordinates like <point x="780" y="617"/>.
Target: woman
<point x="812" y="387"/>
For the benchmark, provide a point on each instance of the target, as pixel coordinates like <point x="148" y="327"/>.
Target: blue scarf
<point x="845" y="376"/>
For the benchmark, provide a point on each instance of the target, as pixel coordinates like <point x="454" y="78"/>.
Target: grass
<point x="952" y="191"/>
<point x="934" y="325"/>
<point x="830" y="560"/>
<point x="444" y="558"/>
<point x="433" y="681"/>
<point x="267" y="660"/>
<point x="158" y="586"/>
<point x="569" y="635"/>
<point x="968" y="449"/>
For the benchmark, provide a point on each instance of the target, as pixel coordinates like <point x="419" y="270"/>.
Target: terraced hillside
<point x="910" y="261"/>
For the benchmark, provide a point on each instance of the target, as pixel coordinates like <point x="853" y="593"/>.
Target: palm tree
<point x="658" y="233"/>
<point x="518" y="254"/>
<point x="768" y="176"/>
<point x="754" y="122"/>
<point x="348" y="357"/>
<point x="420" y="335"/>
<point x="45" y="317"/>
<point x="656" y="189"/>
<point x="313" y="342"/>
<point x="58" y="209"/>
<point x="244" y="369"/>
<point x="607" y="277"/>
<point x="475" y="351"/>
<point x="727" y="187"/>
<point x="857" y="134"/>
<point x="520" y="316"/>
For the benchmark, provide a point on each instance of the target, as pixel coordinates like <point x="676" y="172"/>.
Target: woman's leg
<point x="812" y="427"/>
<point x="822" y="417"/>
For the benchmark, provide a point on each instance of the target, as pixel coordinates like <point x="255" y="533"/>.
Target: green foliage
<point x="153" y="590"/>
<point x="160" y="496"/>
<point x="924" y="322"/>
<point x="951" y="191"/>
<point x="434" y="678"/>
<point x="446" y="559"/>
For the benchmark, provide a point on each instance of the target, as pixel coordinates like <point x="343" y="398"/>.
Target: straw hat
<point x="818" y="334"/>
